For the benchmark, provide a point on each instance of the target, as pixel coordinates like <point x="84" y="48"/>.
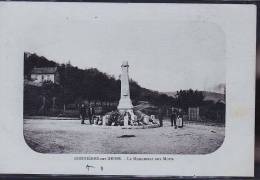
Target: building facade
<point x="39" y="75"/>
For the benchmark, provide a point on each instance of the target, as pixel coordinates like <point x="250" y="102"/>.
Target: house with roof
<point x="39" y="75"/>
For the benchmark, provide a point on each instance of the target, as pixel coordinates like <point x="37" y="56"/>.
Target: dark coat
<point x="91" y="111"/>
<point x="160" y="114"/>
<point x="82" y="111"/>
<point x="173" y="114"/>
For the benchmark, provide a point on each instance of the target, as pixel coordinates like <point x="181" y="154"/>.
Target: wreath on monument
<point x="115" y="119"/>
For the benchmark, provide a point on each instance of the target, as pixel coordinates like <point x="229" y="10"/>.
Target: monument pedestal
<point x="125" y="105"/>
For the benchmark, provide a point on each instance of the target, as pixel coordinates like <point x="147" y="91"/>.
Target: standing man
<point x="82" y="113"/>
<point x="160" y="116"/>
<point x="173" y="117"/>
<point x="91" y="114"/>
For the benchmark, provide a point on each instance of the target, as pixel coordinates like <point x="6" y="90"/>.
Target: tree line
<point x="91" y="85"/>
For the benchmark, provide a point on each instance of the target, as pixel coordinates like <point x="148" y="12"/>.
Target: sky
<point x="164" y="52"/>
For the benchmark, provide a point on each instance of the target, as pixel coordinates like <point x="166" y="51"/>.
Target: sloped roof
<point x="44" y="70"/>
<point x="221" y="101"/>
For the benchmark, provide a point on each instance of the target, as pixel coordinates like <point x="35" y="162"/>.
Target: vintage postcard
<point x="127" y="89"/>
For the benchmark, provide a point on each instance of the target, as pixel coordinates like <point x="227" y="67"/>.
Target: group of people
<point x="86" y="113"/>
<point x="176" y="116"/>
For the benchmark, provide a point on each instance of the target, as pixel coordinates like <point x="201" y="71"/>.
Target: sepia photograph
<point x="131" y="86"/>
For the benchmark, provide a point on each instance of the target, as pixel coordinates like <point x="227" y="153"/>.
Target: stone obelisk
<point x="125" y="103"/>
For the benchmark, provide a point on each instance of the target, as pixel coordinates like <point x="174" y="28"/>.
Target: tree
<point x="189" y="98"/>
<point x="33" y="60"/>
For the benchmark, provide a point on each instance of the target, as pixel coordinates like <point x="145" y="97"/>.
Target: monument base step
<point x="141" y="127"/>
<point x="128" y="127"/>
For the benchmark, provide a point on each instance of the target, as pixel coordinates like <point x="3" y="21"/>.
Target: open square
<point x="69" y="136"/>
